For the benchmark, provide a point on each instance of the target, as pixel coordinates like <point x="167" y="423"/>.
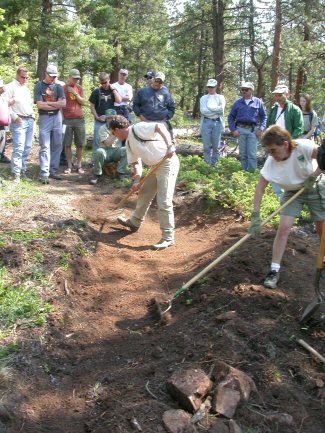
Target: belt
<point x="215" y="120"/>
<point x="246" y="124"/>
<point x="26" y="117"/>
<point x="49" y="113"/>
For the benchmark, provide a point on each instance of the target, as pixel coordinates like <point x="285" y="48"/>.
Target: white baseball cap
<point x="212" y="82"/>
<point x="247" y="85"/>
<point x="281" y="88"/>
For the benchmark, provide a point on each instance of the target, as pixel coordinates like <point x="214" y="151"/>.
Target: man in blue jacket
<point x="154" y="102"/>
<point x="247" y="121"/>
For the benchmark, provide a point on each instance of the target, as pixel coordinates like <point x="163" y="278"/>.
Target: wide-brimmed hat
<point x="281" y="88"/>
<point x="247" y="85"/>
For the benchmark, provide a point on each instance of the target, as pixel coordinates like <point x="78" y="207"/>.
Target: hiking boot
<point x="126" y="222"/>
<point x="16" y="178"/>
<point x="94" y="180"/>
<point x="44" y="180"/>
<point x="163" y="243"/>
<point x="5" y="159"/>
<point x="122" y="176"/>
<point x="271" y="279"/>
<point x="25" y="177"/>
<point x="55" y="176"/>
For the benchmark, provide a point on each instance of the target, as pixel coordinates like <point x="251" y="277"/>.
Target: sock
<point x="275" y="267"/>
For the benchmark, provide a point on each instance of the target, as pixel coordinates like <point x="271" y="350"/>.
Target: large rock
<point x="233" y="387"/>
<point x="178" y="421"/>
<point x="220" y="426"/>
<point x="234" y="427"/>
<point x="189" y="388"/>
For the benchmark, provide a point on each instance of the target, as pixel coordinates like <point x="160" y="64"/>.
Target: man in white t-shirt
<point x="292" y="164"/>
<point x="126" y="92"/>
<point x="150" y="142"/>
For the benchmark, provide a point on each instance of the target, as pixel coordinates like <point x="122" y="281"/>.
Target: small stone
<point x="178" y="421"/>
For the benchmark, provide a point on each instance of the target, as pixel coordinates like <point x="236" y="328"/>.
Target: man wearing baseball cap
<point x="110" y="150"/>
<point x="74" y="120"/>
<point x="212" y="108"/>
<point x="50" y="99"/>
<point x="126" y="93"/>
<point x="247" y="120"/>
<point x="149" y="76"/>
<point x="286" y="114"/>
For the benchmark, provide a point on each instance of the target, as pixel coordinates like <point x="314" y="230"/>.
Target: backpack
<point x="4" y="113"/>
<point x="318" y="128"/>
<point x="321" y="155"/>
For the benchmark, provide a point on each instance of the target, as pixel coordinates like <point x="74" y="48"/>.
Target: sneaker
<point x="126" y="222"/>
<point x="5" y="159"/>
<point x="25" y="176"/>
<point x="55" y="176"/>
<point x="44" y="180"/>
<point x="94" y="180"/>
<point x="271" y="279"/>
<point x="163" y="243"/>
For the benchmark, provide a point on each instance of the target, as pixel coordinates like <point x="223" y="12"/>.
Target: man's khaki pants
<point x="162" y="183"/>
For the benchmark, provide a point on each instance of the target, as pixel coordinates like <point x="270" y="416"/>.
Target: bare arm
<point x="49" y="106"/>
<point x="93" y="110"/>
<point x="259" y="192"/>
<point x="79" y="98"/>
<point x="162" y="130"/>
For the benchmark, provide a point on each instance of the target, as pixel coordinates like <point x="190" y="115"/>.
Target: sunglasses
<point x="103" y="84"/>
<point x="245" y="90"/>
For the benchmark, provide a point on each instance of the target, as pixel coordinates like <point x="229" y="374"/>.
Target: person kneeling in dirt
<point x="111" y="150"/>
<point x="150" y="142"/>
<point x="291" y="164"/>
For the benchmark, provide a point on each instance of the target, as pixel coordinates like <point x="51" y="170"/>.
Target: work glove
<point x="308" y="185"/>
<point x="256" y="224"/>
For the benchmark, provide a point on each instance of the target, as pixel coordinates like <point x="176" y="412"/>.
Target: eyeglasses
<point x="245" y="90"/>
<point x="103" y="84"/>
<point x="24" y="78"/>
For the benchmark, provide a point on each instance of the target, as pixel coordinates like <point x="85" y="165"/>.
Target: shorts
<point x="314" y="199"/>
<point x="75" y="129"/>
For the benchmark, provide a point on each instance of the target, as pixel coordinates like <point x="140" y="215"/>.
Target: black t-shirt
<point x="102" y="99"/>
<point x="48" y="93"/>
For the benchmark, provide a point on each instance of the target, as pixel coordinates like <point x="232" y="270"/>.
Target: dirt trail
<point x="106" y="357"/>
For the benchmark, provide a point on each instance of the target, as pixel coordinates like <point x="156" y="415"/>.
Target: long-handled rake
<point x="315" y="304"/>
<point x="164" y="314"/>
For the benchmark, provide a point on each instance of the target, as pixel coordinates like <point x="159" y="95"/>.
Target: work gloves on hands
<point x="256" y="224"/>
<point x="308" y="185"/>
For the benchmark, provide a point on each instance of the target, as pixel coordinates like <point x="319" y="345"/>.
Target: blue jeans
<point x="248" y="142"/>
<point x="211" y="134"/>
<point x="22" y="140"/>
<point x="50" y="141"/>
<point x="96" y="144"/>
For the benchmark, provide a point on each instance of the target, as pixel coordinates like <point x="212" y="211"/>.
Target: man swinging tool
<point x="150" y="142"/>
<point x="292" y="164"/>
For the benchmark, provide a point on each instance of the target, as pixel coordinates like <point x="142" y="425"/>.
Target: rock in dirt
<point x="178" y="421"/>
<point x="234" y="427"/>
<point x="233" y="387"/>
<point x="226" y="401"/>
<point x="220" y="426"/>
<point x="189" y="388"/>
<point x="280" y="418"/>
<point x="228" y="315"/>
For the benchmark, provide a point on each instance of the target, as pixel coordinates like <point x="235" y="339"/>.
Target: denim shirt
<point x="253" y="112"/>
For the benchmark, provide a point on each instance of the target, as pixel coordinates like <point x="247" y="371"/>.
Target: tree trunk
<point x="275" y="73"/>
<point x="218" y="47"/>
<point x="43" y="45"/>
<point x="201" y="62"/>
<point x="301" y="74"/>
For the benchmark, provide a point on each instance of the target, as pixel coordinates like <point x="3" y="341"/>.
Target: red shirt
<point x="73" y="110"/>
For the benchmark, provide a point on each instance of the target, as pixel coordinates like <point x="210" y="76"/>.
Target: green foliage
<point x="20" y="303"/>
<point x="228" y="185"/>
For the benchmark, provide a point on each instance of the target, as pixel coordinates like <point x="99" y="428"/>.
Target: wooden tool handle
<point x="142" y="181"/>
<point x="321" y="253"/>
<point x="237" y="244"/>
